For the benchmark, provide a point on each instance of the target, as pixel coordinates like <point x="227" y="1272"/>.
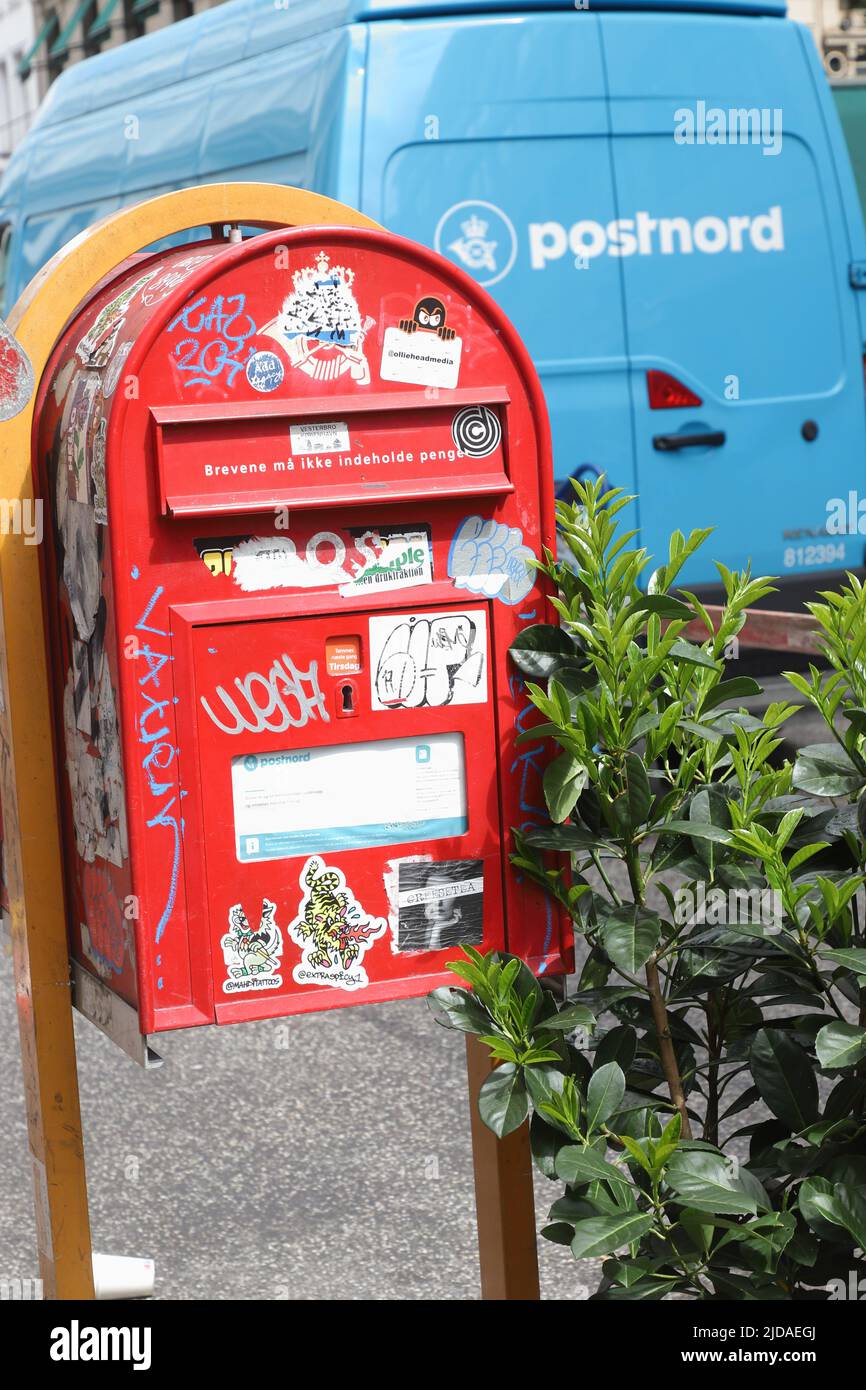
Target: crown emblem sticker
<point x="479" y="237"/>
<point x="320" y="326"/>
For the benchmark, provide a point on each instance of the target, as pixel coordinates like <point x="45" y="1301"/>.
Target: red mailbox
<point x="293" y="487"/>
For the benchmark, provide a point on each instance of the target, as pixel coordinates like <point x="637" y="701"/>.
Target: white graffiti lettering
<point x="285" y="698"/>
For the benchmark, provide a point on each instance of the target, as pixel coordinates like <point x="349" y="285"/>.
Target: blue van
<point x="658" y="194"/>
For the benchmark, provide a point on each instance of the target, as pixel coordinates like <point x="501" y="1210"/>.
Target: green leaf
<point x="699" y="830"/>
<point x="664" y="605"/>
<point x="633" y="806"/>
<point x="576" y="1165"/>
<point x="818" y="1205"/>
<point x="824" y="769"/>
<point x="630" y="935"/>
<point x="619" y="1045"/>
<point x="568" y="1018"/>
<point x="540" y="650"/>
<point x="840" y="1044"/>
<point x="705" y="1182"/>
<point x="684" y="651"/>
<point x="849" y="957"/>
<point x="457" y="1008"/>
<point x="851" y="1206"/>
<point x="785" y="1077"/>
<point x="601" y="1235"/>
<point x="502" y="1101"/>
<point x="606" y="1090"/>
<point x="564" y="780"/>
<point x="739" y="688"/>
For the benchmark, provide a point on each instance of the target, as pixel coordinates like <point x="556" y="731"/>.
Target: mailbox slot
<point x="404" y="445"/>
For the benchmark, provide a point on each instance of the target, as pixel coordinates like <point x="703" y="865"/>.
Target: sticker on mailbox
<point x="439" y="904"/>
<point x="252" y="958"/>
<point x="320" y="437"/>
<point x="332" y="929"/>
<point x="428" y="659"/>
<point x="420" y="354"/>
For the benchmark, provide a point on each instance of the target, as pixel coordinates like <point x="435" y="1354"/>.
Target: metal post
<point x="504" y="1198"/>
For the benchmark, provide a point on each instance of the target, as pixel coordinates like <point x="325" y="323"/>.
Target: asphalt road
<point x="323" y="1157"/>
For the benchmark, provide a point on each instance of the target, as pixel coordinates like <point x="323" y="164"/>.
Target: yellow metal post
<point x="27" y="762"/>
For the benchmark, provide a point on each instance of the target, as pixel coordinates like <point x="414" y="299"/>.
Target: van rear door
<point x="477" y="128"/>
<point x="735" y="261"/>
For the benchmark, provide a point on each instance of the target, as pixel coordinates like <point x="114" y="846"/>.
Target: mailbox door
<point x="353" y="836"/>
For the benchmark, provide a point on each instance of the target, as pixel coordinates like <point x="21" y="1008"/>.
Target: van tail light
<point x="666" y="393"/>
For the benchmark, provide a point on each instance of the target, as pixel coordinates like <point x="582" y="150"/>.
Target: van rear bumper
<point x="793" y="591"/>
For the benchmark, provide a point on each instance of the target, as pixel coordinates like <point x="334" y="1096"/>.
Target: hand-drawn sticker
<point x="423" y="350"/>
<point x="63" y="379"/>
<point x="252" y="958"/>
<point x="476" y="431"/>
<point x="106" y="325"/>
<point x="428" y="659"/>
<point x="332" y="929"/>
<point x="115" y="367"/>
<point x="81" y="572"/>
<point x="97" y="472"/>
<point x="320" y="325"/>
<point x="490" y="558"/>
<point x="265" y="371"/>
<point x="81" y="407"/>
<point x="439" y="905"/>
<point x="81" y="686"/>
<point x="165" y="281"/>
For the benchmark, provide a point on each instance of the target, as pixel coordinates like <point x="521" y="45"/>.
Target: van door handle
<point x="667" y="443"/>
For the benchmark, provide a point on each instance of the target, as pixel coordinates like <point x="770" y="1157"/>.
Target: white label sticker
<point x="428" y="660"/>
<point x="321" y="437"/>
<point x="405" y="790"/>
<point x="420" y="358"/>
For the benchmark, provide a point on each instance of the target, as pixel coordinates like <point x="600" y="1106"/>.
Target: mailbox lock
<point x="347" y="699"/>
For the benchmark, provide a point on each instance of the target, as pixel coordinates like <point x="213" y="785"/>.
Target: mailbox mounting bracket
<point x="112" y="1016"/>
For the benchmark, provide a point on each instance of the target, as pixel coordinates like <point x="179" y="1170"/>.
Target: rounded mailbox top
<point x="232" y="361"/>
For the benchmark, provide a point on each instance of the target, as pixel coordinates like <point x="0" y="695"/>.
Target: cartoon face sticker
<point x="430" y="316"/>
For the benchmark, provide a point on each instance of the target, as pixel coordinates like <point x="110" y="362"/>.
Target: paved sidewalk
<point x="321" y="1157"/>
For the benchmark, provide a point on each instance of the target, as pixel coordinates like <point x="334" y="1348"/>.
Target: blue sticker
<point x="265" y="371"/>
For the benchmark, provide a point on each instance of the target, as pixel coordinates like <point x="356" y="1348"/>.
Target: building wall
<point x="129" y="19"/>
<point x="839" y="29"/>
<point x="18" y="98"/>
